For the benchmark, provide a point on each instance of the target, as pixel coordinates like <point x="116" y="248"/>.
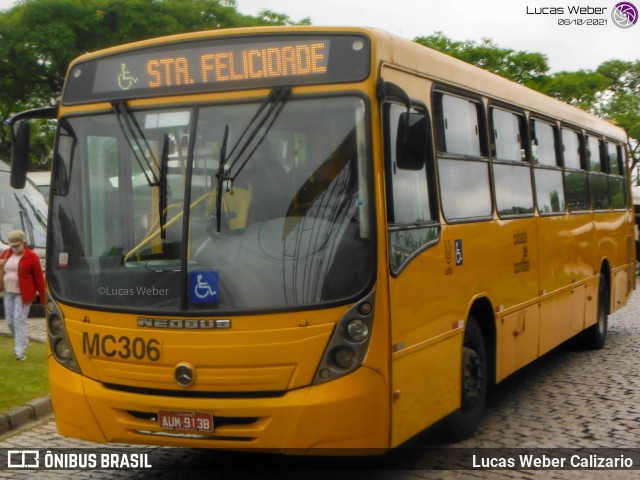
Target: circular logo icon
<point x="624" y="15"/>
<point x="184" y="374"/>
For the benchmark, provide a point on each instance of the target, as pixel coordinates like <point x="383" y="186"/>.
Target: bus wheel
<point x="595" y="336"/>
<point x="465" y="421"/>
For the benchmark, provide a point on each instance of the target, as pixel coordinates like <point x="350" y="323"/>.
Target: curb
<point x="34" y="410"/>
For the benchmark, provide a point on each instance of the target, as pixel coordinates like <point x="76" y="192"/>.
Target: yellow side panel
<point x="578" y="308"/>
<point x="591" y="304"/>
<point x="555" y="321"/>
<point x="519" y="333"/>
<point x="425" y="386"/>
<point x="620" y="290"/>
<point x="565" y="315"/>
<point x="566" y="251"/>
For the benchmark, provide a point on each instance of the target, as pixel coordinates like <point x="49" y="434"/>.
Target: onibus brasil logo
<point x="624" y="15"/>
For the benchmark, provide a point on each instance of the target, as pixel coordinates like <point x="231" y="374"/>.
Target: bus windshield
<point x="139" y="222"/>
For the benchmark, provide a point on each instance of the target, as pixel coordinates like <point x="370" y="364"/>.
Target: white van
<point x="25" y="210"/>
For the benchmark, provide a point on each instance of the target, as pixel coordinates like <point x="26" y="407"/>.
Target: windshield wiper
<point x="137" y="141"/>
<point x="27" y="226"/>
<point x="38" y="214"/>
<point x="248" y="142"/>
<point x="220" y="176"/>
<point x="249" y="137"/>
<point x="162" y="204"/>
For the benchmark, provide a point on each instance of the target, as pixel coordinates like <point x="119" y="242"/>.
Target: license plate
<point x="186" y="421"/>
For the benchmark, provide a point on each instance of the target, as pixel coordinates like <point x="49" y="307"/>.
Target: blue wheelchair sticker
<point x="204" y="287"/>
<point x="459" y="257"/>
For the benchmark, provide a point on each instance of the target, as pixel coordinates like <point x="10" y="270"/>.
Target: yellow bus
<point x="304" y="238"/>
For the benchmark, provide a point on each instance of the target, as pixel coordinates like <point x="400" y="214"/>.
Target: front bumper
<point x="346" y="416"/>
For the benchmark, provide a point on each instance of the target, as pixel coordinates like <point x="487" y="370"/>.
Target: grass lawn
<point x="21" y="382"/>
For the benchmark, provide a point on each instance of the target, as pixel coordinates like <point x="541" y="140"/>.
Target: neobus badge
<point x="183" y="324"/>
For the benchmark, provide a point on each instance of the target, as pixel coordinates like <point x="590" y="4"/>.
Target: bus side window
<point x="575" y="173"/>
<point x="463" y="167"/>
<point x="543" y="143"/>
<point x="615" y="158"/>
<point x="459" y="125"/>
<point x="548" y="175"/>
<point x="411" y="208"/>
<point x="617" y="183"/>
<point x="511" y="171"/>
<point x="508" y="136"/>
<point x="598" y="182"/>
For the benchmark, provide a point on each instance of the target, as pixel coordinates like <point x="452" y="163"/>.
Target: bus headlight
<point x="357" y="330"/>
<point x="58" y="339"/>
<point x="344" y="357"/>
<point x="62" y="349"/>
<point x="55" y="325"/>
<point x="349" y="343"/>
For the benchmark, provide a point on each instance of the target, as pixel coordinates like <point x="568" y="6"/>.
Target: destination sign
<point x="219" y="64"/>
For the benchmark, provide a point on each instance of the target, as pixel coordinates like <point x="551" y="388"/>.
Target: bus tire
<point x="595" y="336"/>
<point x="474" y="384"/>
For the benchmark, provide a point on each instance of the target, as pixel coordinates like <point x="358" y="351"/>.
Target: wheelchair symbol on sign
<point x="203" y="289"/>
<point x="125" y="79"/>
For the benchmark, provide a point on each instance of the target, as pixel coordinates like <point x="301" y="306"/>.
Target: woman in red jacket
<point x="23" y="279"/>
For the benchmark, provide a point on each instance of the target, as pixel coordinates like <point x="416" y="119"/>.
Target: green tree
<point x="519" y="66"/>
<point x="39" y="38"/>
<point x="621" y="100"/>
<point x="611" y="91"/>
<point x="581" y="89"/>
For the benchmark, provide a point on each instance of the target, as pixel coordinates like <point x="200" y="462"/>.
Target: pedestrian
<point x="23" y="279"/>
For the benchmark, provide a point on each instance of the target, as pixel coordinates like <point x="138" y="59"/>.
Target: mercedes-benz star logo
<point x="184" y="375"/>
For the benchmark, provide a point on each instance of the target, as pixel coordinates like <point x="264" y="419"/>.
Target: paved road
<point x="569" y="398"/>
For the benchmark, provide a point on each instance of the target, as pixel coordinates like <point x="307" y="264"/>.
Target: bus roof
<point x="441" y="68"/>
<point x="447" y="70"/>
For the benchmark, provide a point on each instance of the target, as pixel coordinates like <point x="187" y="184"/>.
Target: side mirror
<point x="21" y="132"/>
<point x="412" y="141"/>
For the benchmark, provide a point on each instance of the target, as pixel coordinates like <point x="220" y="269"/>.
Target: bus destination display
<point x="219" y="64"/>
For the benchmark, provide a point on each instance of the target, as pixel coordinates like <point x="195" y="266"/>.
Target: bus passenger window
<point x="507" y="136"/>
<point x="548" y="176"/>
<point x="575" y="177"/>
<point x="514" y="195"/>
<point x="577" y="191"/>
<point x="598" y="184"/>
<point x="617" y="190"/>
<point x="549" y="191"/>
<point x="599" y="188"/>
<point x="593" y="154"/>
<point x="465" y="189"/>
<point x="458" y="125"/>
<point x="614" y="157"/>
<point x="571" y="148"/>
<point x="543" y="143"/>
